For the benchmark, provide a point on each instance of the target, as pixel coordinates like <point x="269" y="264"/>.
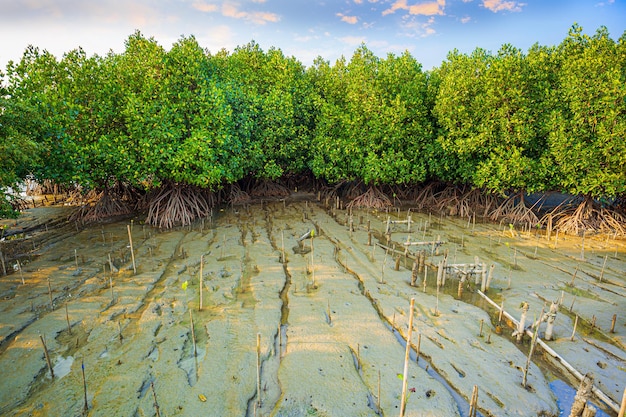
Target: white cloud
<point x="465" y="19"/>
<point x="205" y="7"/>
<point x="348" y="19"/>
<point x="261" y="18"/>
<point x="430" y="8"/>
<point x="503" y="5"/>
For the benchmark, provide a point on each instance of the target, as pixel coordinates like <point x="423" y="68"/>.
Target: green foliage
<point x="549" y="118"/>
<point x="373" y="122"/>
<point x="588" y="127"/>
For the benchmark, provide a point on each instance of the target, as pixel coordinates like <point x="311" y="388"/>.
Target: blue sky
<point x="428" y="29"/>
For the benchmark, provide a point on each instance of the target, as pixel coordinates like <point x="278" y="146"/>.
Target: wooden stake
<point x="417" y="351"/>
<point x="530" y="353"/>
<point x="480" y="334"/>
<point x="193" y="334"/>
<point x="85" y="404"/>
<point x="378" y="398"/>
<point x="50" y="294"/>
<point x="200" y="286"/>
<point x="622" y="409"/>
<point x="132" y="252"/>
<point x="156" y="403"/>
<point x="603" y="265"/>
<point x="574" y="331"/>
<point x="76" y="258"/>
<point x="490" y="275"/>
<point x="473" y="402"/>
<point x="4" y="268"/>
<point x="67" y="318"/>
<point x="613" y="323"/>
<point x="405" y="375"/>
<point x="330" y="319"/>
<point x="282" y="245"/>
<point x="19" y="266"/>
<point x="571" y="284"/>
<point x="258" y="368"/>
<point x="47" y="355"/>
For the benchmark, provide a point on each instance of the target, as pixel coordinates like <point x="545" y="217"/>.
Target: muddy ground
<point x="329" y="314"/>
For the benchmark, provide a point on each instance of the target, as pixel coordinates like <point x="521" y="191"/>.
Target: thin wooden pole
<point x="50" y="295"/>
<point x="19" y="266"/>
<point x="132" y="252"/>
<point x="405" y="375"/>
<point x="86" y="403"/>
<point x="378" y="398"/>
<point x="67" y="318"/>
<point x="530" y="353"/>
<point x="622" y="409"/>
<point x="574" y="331"/>
<point x="47" y="355"/>
<point x="417" y="351"/>
<point x="156" y="403"/>
<point x="258" y="368"/>
<point x="613" y="320"/>
<point x="200" y="286"/>
<point x="193" y="333"/>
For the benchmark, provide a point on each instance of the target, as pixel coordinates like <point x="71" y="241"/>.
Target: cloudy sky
<point x="428" y="29"/>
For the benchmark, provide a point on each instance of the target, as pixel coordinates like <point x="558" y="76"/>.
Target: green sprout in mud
<point x="408" y="392"/>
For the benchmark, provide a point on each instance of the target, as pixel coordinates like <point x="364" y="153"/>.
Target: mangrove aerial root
<point x="372" y="198"/>
<point x="515" y="210"/>
<point x="589" y="217"/>
<point x="177" y="204"/>
<point x="269" y="189"/>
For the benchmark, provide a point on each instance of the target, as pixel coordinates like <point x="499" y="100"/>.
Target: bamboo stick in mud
<point x="132" y="252"/>
<point x="19" y="266"/>
<point x="67" y="318"/>
<point x="473" y="402"/>
<point x="4" y="267"/>
<point x="417" y="350"/>
<point x="490" y="276"/>
<point x="86" y="403"/>
<point x="622" y="409"/>
<point x="50" y="295"/>
<point x="405" y="375"/>
<point x="282" y="246"/>
<point x="193" y="334"/>
<point x="200" y="286"/>
<point x="414" y="274"/>
<point x="258" y="368"/>
<point x="603" y="266"/>
<point x="47" y="355"/>
<point x="378" y="397"/>
<point x="156" y="403"/>
<point x="613" y="320"/>
<point x="530" y="353"/>
<point x="574" y="330"/>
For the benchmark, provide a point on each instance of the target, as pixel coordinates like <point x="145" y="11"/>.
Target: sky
<point x="304" y="29"/>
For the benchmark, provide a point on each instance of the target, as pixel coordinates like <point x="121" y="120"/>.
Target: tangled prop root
<point x="237" y="196"/>
<point x="514" y="210"/>
<point x="425" y="198"/>
<point x="108" y="203"/>
<point x="269" y="189"/>
<point x="589" y="217"/>
<point x="177" y="204"/>
<point x="372" y="198"/>
<point x="459" y="202"/>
